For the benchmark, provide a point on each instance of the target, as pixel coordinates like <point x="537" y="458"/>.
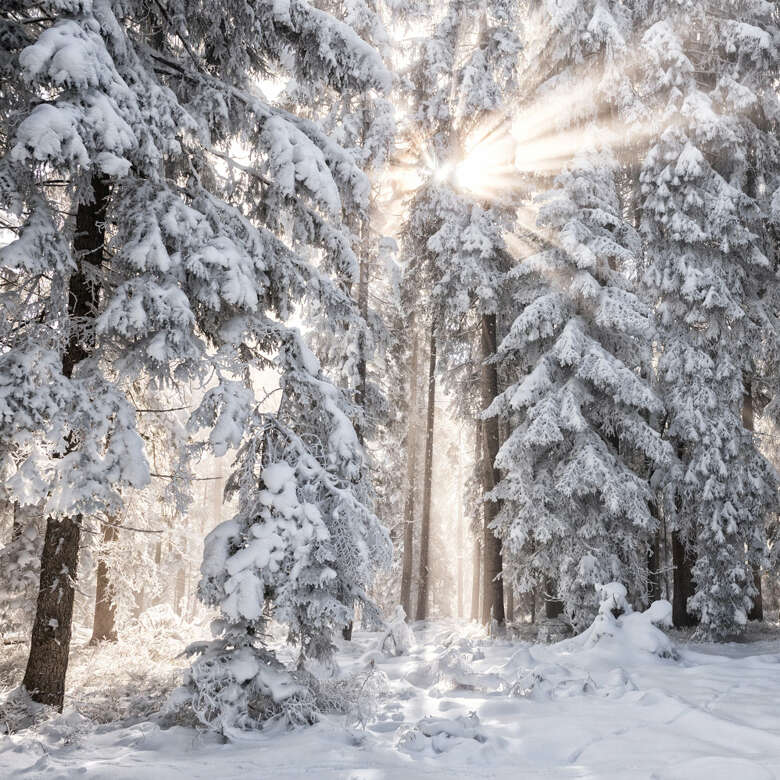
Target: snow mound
<point x="398" y="638"/>
<point x="441" y="734"/>
<point x="452" y="668"/>
<point x="621" y="631"/>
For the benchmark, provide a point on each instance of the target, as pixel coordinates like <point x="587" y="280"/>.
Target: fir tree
<point x="126" y="115"/>
<point x="708" y="182"/>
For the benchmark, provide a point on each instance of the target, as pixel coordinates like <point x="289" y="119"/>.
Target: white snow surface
<point x="459" y="704"/>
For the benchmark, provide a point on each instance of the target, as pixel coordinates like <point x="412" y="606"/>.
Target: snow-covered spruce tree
<point x="576" y="496"/>
<point x="709" y="182"/>
<point x="462" y="77"/>
<point x="301" y="550"/>
<point x="575" y="509"/>
<point x="361" y="354"/>
<point x="144" y="251"/>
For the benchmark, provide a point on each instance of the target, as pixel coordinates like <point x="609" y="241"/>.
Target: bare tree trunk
<point x="104" y="623"/>
<point x="493" y="593"/>
<point x="411" y="474"/>
<point x="47" y="663"/>
<point x="459" y="542"/>
<point x="748" y="422"/>
<point x="510" y="603"/>
<point x="179" y="594"/>
<point x="553" y="606"/>
<point x="476" y="583"/>
<point x="683" y="583"/>
<point x="425" y="526"/>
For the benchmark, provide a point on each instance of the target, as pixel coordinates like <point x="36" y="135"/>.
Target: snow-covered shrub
<point x="397" y="638"/>
<point x="18" y="711"/>
<point x="617" y="627"/>
<point x="239" y="684"/>
<point x="441" y="734"/>
<point x="301" y="550"/>
<point x="357" y="697"/>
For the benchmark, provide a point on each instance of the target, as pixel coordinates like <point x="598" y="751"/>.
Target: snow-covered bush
<point x="397" y="638"/>
<point x="618" y="628"/>
<point x="236" y="683"/>
<point x="301" y="550"/>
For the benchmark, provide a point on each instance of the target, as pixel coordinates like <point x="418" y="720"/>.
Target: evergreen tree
<point x="708" y="183"/>
<point x="576" y="511"/>
<point x="134" y="258"/>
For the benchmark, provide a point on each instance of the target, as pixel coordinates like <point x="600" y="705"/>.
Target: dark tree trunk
<point x="493" y="593"/>
<point x="476" y="583"/>
<point x="757" y="610"/>
<point x="425" y="526"/>
<point x="104" y="625"/>
<point x="748" y="422"/>
<point x="47" y="663"/>
<point x="411" y="475"/>
<point x="553" y="606"/>
<point x="510" y="603"/>
<point x="683" y="583"/>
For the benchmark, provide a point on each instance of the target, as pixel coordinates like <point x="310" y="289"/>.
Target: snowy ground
<point x="461" y="705"/>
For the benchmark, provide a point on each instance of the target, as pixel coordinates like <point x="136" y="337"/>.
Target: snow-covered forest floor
<point x="457" y="704"/>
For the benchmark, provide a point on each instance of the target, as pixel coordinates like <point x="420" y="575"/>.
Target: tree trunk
<point x="459" y="542"/>
<point x="47" y="663"/>
<point x="104" y="624"/>
<point x="411" y="474"/>
<point x="748" y="422"/>
<point x="510" y="604"/>
<point x="362" y="367"/>
<point x="683" y="583"/>
<point x="425" y="526"/>
<point x="476" y="583"/>
<point x="654" y="569"/>
<point x="757" y="610"/>
<point x="553" y="606"/>
<point x="493" y="593"/>
<point x="180" y="592"/>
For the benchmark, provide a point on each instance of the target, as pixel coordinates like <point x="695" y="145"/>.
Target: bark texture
<point x="683" y="583"/>
<point x="493" y="586"/>
<point x="425" y="525"/>
<point x="553" y="606"/>
<point x="104" y="624"/>
<point x="476" y="584"/>
<point x="411" y="474"/>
